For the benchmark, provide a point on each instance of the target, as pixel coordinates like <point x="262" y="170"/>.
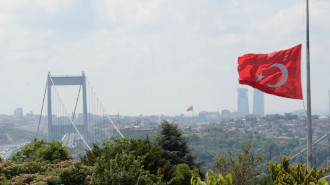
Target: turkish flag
<point x="190" y="108"/>
<point x="275" y="73"/>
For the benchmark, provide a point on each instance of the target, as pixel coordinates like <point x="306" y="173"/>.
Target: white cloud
<point x="53" y="7"/>
<point x="148" y="56"/>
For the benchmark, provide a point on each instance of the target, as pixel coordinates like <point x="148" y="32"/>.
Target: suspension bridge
<point x="92" y="126"/>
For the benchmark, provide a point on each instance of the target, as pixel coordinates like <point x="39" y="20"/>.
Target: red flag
<point x="275" y="73"/>
<point x="190" y="108"/>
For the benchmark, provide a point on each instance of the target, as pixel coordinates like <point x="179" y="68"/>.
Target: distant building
<point x="18" y="112"/>
<point x="211" y="116"/>
<point x="6" y="125"/>
<point x="242" y="102"/>
<point x="258" y="102"/>
<point x="226" y="114"/>
<point x="30" y="114"/>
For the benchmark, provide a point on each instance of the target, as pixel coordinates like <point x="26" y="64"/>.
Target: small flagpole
<point x="309" y="112"/>
<point x="193" y="116"/>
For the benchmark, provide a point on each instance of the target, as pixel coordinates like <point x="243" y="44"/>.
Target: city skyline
<point x="152" y="57"/>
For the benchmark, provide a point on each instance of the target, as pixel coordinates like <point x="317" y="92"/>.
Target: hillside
<point x="208" y="144"/>
<point x="14" y="135"/>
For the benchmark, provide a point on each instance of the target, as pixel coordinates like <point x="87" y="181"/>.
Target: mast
<point x="309" y="112"/>
<point x="193" y="117"/>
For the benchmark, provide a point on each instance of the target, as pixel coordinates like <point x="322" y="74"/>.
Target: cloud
<point x="148" y="56"/>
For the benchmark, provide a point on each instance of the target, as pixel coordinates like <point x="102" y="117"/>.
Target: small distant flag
<point x="190" y="108"/>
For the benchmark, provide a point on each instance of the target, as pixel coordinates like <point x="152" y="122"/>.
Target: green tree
<point x="182" y="175"/>
<point x="51" y="152"/>
<point x="124" y="169"/>
<point x="212" y="178"/>
<point x="28" y="152"/>
<point x="283" y="173"/>
<point x="153" y="155"/>
<point x="244" y="168"/>
<point x="75" y="175"/>
<point x="91" y="155"/>
<point x="171" y="139"/>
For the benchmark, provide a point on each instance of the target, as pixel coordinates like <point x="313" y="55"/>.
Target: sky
<point x="155" y="57"/>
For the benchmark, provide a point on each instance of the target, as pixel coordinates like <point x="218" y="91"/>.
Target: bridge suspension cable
<point x="316" y="142"/>
<point x="42" y="107"/>
<point x="99" y="107"/>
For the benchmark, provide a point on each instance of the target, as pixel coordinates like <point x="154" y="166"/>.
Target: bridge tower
<point x="61" y="81"/>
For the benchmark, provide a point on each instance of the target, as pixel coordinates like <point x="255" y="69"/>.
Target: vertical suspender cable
<point x="75" y="108"/>
<point x="89" y="112"/>
<point x="42" y="107"/>
<point x="97" y="128"/>
<point x="91" y="125"/>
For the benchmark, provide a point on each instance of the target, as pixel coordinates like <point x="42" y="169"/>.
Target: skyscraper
<point x="242" y="102"/>
<point x="258" y="102"/>
<point x="18" y="112"/>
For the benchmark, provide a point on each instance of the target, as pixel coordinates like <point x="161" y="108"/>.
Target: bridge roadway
<point x="7" y="150"/>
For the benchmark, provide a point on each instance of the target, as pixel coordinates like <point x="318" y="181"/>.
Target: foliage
<point x="28" y="152"/>
<point x="40" y="162"/>
<point x="264" y="181"/>
<point x="211" y="142"/>
<point x="322" y="181"/>
<point x="166" y="172"/>
<point x="11" y="169"/>
<point x="152" y="155"/>
<point x="283" y="173"/>
<point x="182" y="175"/>
<point x="52" y="152"/>
<point x="123" y="169"/>
<point x="171" y="139"/>
<point x="3" y="180"/>
<point x="91" y="155"/>
<point x="212" y="178"/>
<point x="45" y="173"/>
<point x="74" y="175"/>
<point x="243" y="168"/>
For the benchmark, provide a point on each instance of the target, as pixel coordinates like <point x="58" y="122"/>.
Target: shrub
<point x="123" y="169"/>
<point x="283" y="173"/>
<point x="183" y="174"/>
<point x="212" y="178"/>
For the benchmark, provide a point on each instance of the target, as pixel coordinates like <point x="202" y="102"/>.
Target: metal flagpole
<point x="309" y="112"/>
<point x="193" y="116"/>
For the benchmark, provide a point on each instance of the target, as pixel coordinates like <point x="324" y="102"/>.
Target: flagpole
<point x="309" y="112"/>
<point x="193" y="117"/>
